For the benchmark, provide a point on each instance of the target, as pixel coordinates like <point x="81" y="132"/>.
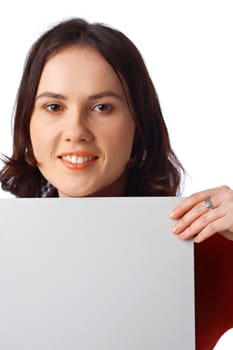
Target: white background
<point x="187" y="46"/>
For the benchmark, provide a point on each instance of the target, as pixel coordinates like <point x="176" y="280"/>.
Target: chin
<point x="73" y="193"/>
<point x="103" y="189"/>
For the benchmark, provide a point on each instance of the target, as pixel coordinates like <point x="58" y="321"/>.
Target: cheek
<point x="40" y="140"/>
<point x="126" y="137"/>
<point x="118" y="142"/>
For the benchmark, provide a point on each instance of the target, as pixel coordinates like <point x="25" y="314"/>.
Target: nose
<point x="76" y="128"/>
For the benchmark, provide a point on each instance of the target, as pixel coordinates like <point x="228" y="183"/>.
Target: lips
<point x="78" y="159"/>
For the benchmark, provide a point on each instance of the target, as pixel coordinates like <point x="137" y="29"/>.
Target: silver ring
<point x="208" y="203"/>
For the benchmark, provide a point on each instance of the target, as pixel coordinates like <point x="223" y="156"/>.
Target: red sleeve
<point x="213" y="290"/>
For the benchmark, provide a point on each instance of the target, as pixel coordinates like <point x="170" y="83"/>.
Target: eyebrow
<point x="51" y="94"/>
<point x="106" y="93"/>
<point x="102" y="94"/>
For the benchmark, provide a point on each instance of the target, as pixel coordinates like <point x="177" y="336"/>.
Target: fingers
<point x="202" y="227"/>
<point x="200" y="210"/>
<point x="204" y="214"/>
<point x="189" y="202"/>
<point x="209" y="230"/>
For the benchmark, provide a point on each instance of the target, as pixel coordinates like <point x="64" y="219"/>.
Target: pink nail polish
<point x="175" y="229"/>
<point x="171" y="214"/>
<point x="196" y="239"/>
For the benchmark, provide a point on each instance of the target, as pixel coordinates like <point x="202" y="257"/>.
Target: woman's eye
<point x="103" y="107"/>
<point x="54" y="107"/>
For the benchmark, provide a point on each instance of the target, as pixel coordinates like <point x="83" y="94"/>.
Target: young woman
<point x="88" y="123"/>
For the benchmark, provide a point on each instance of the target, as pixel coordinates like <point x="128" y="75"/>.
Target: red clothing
<point x="214" y="290"/>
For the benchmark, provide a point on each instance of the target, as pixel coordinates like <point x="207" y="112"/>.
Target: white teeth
<point x="77" y="160"/>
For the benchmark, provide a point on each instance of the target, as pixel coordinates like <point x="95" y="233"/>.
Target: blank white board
<point x="94" y="273"/>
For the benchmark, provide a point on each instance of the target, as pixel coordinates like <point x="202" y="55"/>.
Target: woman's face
<point x="81" y="127"/>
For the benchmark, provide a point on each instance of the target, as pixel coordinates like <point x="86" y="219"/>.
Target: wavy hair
<point x="153" y="168"/>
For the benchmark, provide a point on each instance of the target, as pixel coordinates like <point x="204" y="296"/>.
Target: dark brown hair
<point x="153" y="169"/>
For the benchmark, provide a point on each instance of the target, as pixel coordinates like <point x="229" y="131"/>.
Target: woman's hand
<point x="205" y="213"/>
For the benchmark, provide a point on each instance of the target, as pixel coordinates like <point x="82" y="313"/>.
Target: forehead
<point x="77" y="66"/>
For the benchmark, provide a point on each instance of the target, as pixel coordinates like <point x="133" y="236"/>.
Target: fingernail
<point x="172" y="214"/>
<point x="175" y="229"/>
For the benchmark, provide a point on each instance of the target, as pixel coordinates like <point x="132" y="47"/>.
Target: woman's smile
<point x="78" y="160"/>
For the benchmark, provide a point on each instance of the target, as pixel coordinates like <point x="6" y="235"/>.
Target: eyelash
<point x="104" y="108"/>
<point x="48" y="106"/>
<point x="105" y="105"/>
